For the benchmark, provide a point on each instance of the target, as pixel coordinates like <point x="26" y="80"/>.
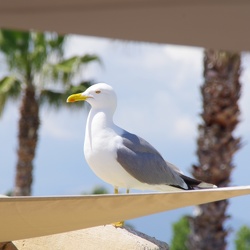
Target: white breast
<point x="101" y="141"/>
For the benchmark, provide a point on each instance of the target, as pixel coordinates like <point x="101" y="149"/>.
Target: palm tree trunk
<point x="28" y="135"/>
<point x="216" y="145"/>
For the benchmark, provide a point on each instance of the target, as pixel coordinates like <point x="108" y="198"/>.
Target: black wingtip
<point x="196" y="184"/>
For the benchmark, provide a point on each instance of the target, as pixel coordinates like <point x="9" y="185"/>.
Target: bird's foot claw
<point x="118" y="224"/>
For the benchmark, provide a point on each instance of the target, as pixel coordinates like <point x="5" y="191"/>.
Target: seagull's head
<point x="100" y="95"/>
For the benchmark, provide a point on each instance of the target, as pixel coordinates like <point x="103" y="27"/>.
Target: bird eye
<point x="98" y="91"/>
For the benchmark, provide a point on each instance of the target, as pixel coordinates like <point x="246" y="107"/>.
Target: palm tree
<point x="37" y="66"/>
<point x="216" y="144"/>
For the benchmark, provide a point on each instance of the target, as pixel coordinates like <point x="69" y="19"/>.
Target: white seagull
<point x="123" y="159"/>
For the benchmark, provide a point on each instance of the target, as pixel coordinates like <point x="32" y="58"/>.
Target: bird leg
<point x="119" y="223"/>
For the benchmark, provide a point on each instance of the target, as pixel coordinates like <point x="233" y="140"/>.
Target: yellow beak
<point x="77" y="98"/>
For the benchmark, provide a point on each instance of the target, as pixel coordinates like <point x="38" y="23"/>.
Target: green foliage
<point x="10" y="87"/>
<point x="181" y="231"/>
<point x="14" y="45"/>
<point x="9" y="193"/>
<point x="27" y="52"/>
<point x="242" y="241"/>
<point x="97" y="190"/>
<point x="58" y="99"/>
<point x="65" y="69"/>
<point x="37" y="59"/>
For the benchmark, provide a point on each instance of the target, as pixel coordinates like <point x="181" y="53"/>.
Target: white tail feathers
<point x="206" y="185"/>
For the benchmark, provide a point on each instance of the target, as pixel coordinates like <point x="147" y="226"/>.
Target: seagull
<point x="121" y="158"/>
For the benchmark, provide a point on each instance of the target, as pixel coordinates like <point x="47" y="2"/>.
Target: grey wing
<point x="144" y="162"/>
<point x="173" y="167"/>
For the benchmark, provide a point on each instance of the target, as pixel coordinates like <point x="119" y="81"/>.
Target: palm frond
<point x="11" y="40"/>
<point x="27" y="52"/>
<point x="81" y="87"/>
<point x="66" y="66"/>
<point x="89" y="58"/>
<point x="66" y="69"/>
<point x="10" y="87"/>
<point x="45" y="46"/>
<point x="38" y="52"/>
<point x="56" y="43"/>
<point x="15" y="47"/>
<point x="58" y="99"/>
<point x="37" y="58"/>
<point x="52" y="98"/>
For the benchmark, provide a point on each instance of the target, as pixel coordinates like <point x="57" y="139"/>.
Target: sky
<point x="158" y="89"/>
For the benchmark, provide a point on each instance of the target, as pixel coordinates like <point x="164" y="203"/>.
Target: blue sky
<point x="158" y="98"/>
